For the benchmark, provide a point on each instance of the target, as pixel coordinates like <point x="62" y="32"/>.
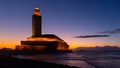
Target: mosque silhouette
<point x="39" y="41"/>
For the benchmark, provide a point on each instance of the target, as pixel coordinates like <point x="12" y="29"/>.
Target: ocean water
<point x="79" y="60"/>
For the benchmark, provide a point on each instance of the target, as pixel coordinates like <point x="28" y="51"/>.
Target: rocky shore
<point x="11" y="62"/>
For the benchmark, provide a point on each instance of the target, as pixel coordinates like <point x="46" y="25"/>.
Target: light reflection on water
<point x="77" y="63"/>
<point x="107" y="63"/>
<point x="80" y="60"/>
<point x="68" y="56"/>
<point x="71" y="59"/>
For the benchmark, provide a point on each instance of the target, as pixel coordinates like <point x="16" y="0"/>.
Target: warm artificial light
<point x="37" y="11"/>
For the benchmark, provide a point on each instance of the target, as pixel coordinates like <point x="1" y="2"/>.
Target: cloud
<point x="111" y="32"/>
<point x="91" y="36"/>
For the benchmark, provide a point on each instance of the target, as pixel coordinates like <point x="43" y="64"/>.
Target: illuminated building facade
<point x="39" y="41"/>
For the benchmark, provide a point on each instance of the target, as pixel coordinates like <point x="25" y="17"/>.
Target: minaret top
<point x="36" y="11"/>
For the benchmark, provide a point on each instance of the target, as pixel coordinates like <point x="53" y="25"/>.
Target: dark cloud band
<point x="111" y="32"/>
<point x="91" y="36"/>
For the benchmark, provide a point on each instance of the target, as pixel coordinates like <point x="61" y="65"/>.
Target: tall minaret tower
<point x="39" y="41"/>
<point x="36" y="23"/>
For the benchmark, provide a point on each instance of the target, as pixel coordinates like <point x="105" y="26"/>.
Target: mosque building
<point x="39" y="41"/>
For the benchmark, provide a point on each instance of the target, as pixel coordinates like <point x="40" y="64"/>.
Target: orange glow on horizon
<point x="71" y="45"/>
<point x="11" y="46"/>
<point x="87" y="45"/>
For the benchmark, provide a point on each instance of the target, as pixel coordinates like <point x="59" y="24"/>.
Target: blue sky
<point x="65" y="18"/>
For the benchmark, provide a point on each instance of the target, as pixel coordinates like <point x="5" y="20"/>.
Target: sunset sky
<point x="75" y="21"/>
